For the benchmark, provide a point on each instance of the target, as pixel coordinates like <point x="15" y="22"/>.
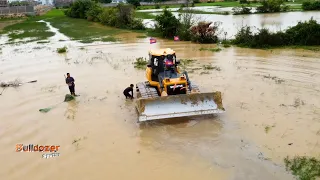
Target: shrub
<point x="135" y="3"/>
<point x="167" y="24"/>
<point x="125" y="15"/>
<point x="269" y="6"/>
<point x="109" y="16"/>
<point x="242" y="10"/>
<point x="80" y="8"/>
<point x="187" y="20"/>
<point x="93" y="13"/>
<point x="157" y="6"/>
<point x="307" y="6"/>
<point x="203" y="33"/>
<point x="306" y="168"/>
<point x="62" y="50"/>
<point x="196" y="1"/>
<point x="304" y="33"/>
<point x="243" y="1"/>
<point x="137" y="24"/>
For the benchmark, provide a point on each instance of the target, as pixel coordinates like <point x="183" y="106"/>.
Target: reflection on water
<point x="71" y="110"/>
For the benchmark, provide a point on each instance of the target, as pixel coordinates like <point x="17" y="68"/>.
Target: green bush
<point x="94" y="12"/>
<point x="167" y="24"/>
<point x="157" y="6"/>
<point x="243" y="1"/>
<point x="307" y="6"/>
<point x="203" y="33"/>
<point x="80" y="8"/>
<point x="270" y="6"/>
<point x="109" y="16"/>
<point x="196" y="1"/>
<point x="137" y="24"/>
<point x="135" y="3"/>
<point x="306" y="168"/>
<point x="304" y="33"/>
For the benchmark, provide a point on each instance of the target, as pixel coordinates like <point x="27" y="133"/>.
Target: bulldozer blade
<point x="179" y="106"/>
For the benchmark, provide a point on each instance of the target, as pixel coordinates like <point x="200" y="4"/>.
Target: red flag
<point x="176" y="38"/>
<point x="152" y="40"/>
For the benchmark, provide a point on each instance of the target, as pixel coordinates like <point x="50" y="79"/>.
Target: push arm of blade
<point x="188" y="81"/>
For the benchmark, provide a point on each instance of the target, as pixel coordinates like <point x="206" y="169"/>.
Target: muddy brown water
<point x="100" y="139"/>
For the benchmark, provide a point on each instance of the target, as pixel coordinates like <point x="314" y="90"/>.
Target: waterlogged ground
<point x="233" y="23"/>
<point x="271" y="99"/>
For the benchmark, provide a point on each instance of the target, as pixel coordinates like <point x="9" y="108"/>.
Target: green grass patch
<point x="140" y="63"/>
<point x="28" y="29"/>
<point x="144" y="15"/>
<point x="78" y="29"/>
<point x="305" y="168"/>
<point x="141" y="36"/>
<point x="217" y="49"/>
<point x="62" y="50"/>
<point x="109" y="39"/>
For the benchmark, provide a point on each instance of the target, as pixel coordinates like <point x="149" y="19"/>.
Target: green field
<point x="76" y="29"/>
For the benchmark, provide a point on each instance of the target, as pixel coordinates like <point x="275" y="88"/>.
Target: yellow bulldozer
<point x="169" y="93"/>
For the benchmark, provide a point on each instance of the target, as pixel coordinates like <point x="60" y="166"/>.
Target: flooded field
<point x="274" y="21"/>
<point x="271" y="100"/>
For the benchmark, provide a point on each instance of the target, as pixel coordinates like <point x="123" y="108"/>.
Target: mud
<point x="233" y="145"/>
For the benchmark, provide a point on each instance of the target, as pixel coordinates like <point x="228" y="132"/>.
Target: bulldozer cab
<point x="163" y="63"/>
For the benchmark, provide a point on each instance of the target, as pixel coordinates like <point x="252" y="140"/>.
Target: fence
<point x="16" y="10"/>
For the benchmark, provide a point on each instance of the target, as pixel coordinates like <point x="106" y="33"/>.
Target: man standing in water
<point x="70" y="82"/>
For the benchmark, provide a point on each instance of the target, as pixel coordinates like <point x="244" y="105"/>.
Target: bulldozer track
<point x="145" y="91"/>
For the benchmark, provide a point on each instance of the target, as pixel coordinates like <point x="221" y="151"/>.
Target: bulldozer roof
<point x="160" y="52"/>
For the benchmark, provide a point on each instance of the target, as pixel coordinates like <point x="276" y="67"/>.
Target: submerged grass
<point x="141" y="36"/>
<point x="210" y="67"/>
<point x="76" y="29"/>
<point x="217" y="49"/>
<point x="62" y="50"/>
<point x="27" y="29"/>
<point x="305" y="168"/>
<point x="140" y="63"/>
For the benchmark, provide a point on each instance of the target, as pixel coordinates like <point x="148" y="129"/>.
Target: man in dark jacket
<point x="70" y="82"/>
<point x="127" y="90"/>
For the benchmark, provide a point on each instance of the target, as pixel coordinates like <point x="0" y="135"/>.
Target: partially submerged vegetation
<point x="62" y="50"/>
<point x="305" y="168"/>
<point x="28" y="29"/>
<point x="140" y="63"/>
<point x="217" y="49"/>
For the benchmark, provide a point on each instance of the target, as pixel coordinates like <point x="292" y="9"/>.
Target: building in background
<point x="4" y="3"/>
<point x="62" y="3"/>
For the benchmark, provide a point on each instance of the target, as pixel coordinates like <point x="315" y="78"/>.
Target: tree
<point x="167" y="24"/>
<point x="135" y="3"/>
